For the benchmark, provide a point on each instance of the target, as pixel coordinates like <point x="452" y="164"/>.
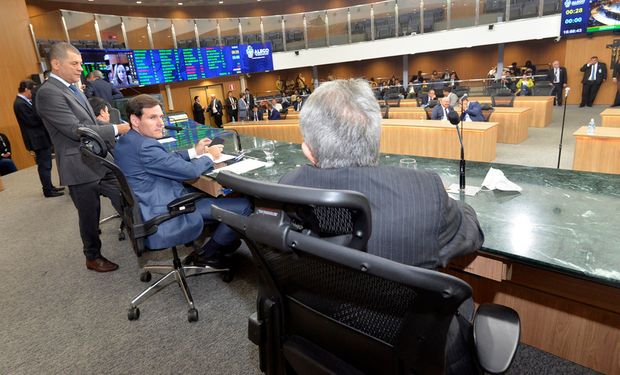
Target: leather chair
<point x="93" y="147"/>
<point x="503" y="99"/>
<point x="325" y="308"/>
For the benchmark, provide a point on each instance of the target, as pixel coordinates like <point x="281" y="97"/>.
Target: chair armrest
<point x="185" y="202"/>
<point x="497" y="330"/>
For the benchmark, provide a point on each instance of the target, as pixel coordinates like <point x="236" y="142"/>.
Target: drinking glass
<point x="408" y="163"/>
<point x="269" y="148"/>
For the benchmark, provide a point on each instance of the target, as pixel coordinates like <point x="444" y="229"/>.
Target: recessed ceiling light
<point x="221" y="2"/>
<point x="138" y="2"/>
<point x="179" y="3"/>
<point x="91" y="0"/>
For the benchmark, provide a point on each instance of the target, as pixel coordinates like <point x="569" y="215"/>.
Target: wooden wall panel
<point x="468" y="63"/>
<point x="17" y="64"/>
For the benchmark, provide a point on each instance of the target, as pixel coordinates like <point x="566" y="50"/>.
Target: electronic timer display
<point x="588" y="16"/>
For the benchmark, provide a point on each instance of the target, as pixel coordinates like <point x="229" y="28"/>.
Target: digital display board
<point x="155" y="66"/>
<point x="117" y="65"/>
<point x="581" y="16"/>
<point x="256" y="57"/>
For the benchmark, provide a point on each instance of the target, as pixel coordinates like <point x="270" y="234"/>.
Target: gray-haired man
<point x="413" y="219"/>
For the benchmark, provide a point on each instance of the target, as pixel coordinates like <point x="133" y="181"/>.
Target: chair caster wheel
<point x="192" y="315"/>
<point x="227" y="276"/>
<point x="145" y="276"/>
<point x="133" y="313"/>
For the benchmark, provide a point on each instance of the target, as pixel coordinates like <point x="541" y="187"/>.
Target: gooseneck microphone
<point x="237" y="137"/>
<point x="171" y="127"/>
<point x="454" y="119"/>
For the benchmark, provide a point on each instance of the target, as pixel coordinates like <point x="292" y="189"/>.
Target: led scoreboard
<point x="575" y="15"/>
<point x="155" y="66"/>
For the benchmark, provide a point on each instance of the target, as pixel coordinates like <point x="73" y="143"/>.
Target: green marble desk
<point x="551" y="252"/>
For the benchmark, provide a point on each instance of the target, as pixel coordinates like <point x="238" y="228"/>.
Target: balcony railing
<point x="290" y="32"/>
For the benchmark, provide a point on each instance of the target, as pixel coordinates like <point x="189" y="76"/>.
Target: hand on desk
<point x="203" y="147"/>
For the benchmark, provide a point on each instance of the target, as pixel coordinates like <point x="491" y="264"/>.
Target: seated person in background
<point x="471" y="111"/>
<point x="413" y="220"/>
<point x="6" y="162"/>
<point x="453" y="80"/>
<point x="429" y="99"/>
<point x="440" y="112"/>
<point x="256" y="114"/>
<point x="411" y="93"/>
<point x="156" y="178"/>
<point x="97" y="86"/>
<point x="273" y="113"/>
<point x="101" y="109"/>
<point x="524" y="85"/>
<point x="436" y="83"/>
<point x="276" y="105"/>
<point x="452" y="97"/>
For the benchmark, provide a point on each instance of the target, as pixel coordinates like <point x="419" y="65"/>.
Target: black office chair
<point x="504" y="98"/>
<point x="429" y="112"/>
<point x="115" y="116"/>
<point x="385" y="110"/>
<point x="93" y="148"/>
<point x="487" y="111"/>
<point x="324" y="308"/>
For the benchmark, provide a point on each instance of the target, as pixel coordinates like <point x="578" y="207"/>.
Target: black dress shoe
<point x="52" y="194"/>
<point x="58" y="188"/>
<point x="190" y="258"/>
<point x="101" y="264"/>
<point x="215" y="261"/>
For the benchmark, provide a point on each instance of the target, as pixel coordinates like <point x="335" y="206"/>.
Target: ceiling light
<point x="138" y="2"/>
<point x="179" y="3"/>
<point x="221" y="2"/>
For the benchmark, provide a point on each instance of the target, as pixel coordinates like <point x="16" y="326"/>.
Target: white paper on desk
<point x="243" y="166"/>
<point x="469" y="190"/>
<point x="221" y="159"/>
<point x="496" y="180"/>
<point x="166" y="140"/>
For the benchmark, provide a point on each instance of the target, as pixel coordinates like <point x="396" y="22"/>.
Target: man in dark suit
<point x="215" y="108"/>
<point x="558" y="79"/>
<point x="256" y="114"/>
<point x="272" y="112"/>
<point x="6" y="157"/>
<point x="249" y="98"/>
<point x="471" y="111"/>
<point x="429" y="99"/>
<point x="594" y="74"/>
<point x="231" y="107"/>
<point x="97" y="86"/>
<point x="63" y="109"/>
<point x="198" y="110"/>
<point x="440" y="112"/>
<point x="35" y="136"/>
<point x="413" y="219"/>
<point x="156" y="178"/>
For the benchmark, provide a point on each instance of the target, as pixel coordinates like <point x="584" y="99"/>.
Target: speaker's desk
<point x="408" y="137"/>
<point x="541" y="106"/>
<point x="512" y="123"/>
<point x="610" y="117"/>
<point x="598" y="152"/>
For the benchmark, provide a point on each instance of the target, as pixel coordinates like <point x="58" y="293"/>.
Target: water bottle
<point x="591" y="126"/>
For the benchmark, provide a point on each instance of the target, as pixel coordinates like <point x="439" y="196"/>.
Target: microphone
<point x="454" y="119"/>
<point x="237" y="137"/>
<point x="566" y="91"/>
<point x="463" y="97"/>
<point x="171" y="127"/>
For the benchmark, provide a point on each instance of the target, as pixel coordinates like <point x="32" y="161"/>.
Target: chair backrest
<point x="93" y="148"/>
<point x="342" y="217"/>
<point x="326" y="306"/>
<point x="503" y="100"/>
<point x="429" y="112"/>
<point x="486" y="113"/>
<point x="392" y="102"/>
<point x="385" y="111"/>
<point x="115" y="116"/>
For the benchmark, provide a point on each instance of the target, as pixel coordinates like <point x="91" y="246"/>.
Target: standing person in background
<point x="558" y="79"/>
<point x="97" y="86"/>
<point x="35" y="136"/>
<point x="198" y="111"/>
<point x="249" y="98"/>
<point x="215" y="108"/>
<point x="300" y="82"/>
<point x="231" y="107"/>
<point x="594" y="74"/>
<point x="616" y="75"/>
<point x="6" y="162"/>
<point x="242" y="108"/>
<point x="63" y="109"/>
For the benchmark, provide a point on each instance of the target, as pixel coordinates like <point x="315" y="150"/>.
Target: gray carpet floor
<point x="59" y="318"/>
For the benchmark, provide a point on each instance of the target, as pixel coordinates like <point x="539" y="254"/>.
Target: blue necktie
<point x="78" y="94"/>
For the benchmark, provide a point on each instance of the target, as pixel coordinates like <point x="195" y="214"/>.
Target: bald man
<point x="215" y="108"/>
<point x="558" y="79"/>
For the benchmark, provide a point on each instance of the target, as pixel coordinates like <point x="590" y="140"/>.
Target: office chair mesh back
<point x="371" y="305"/>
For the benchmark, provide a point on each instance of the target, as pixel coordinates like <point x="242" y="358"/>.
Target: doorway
<point x="204" y="93"/>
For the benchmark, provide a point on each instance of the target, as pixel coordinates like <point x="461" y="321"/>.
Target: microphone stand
<point x="462" y="163"/>
<point x="566" y="91"/>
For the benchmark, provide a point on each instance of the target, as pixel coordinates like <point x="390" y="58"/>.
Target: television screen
<point x="155" y="66"/>
<point x="116" y="65"/>
<point x="256" y="57"/>
<point x="587" y="16"/>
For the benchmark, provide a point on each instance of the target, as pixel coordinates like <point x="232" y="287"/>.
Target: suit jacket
<point x="438" y="112"/>
<point x="5" y="145"/>
<point x="260" y="114"/>
<point x="242" y="109"/>
<point x="474" y="111"/>
<point x="199" y="113"/>
<point x="413" y="220"/>
<point x="102" y="89"/>
<point x="156" y="178"/>
<point x="33" y="131"/>
<point x="229" y="106"/>
<point x="426" y="99"/>
<point x="274" y="114"/>
<point x="600" y="76"/>
<point x="563" y="76"/>
<point x="218" y="107"/>
<point x="63" y="113"/>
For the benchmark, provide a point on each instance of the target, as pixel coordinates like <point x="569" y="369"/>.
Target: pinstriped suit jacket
<point x="413" y="220"/>
<point x="62" y="114"/>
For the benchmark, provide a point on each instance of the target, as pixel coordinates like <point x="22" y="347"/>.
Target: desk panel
<point x="610" y="117"/>
<point x="541" y="106"/>
<point x="598" y="152"/>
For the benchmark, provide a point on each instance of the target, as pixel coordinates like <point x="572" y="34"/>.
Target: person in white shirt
<point x="276" y="105"/>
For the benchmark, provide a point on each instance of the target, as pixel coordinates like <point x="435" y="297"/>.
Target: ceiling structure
<point x="161" y="2"/>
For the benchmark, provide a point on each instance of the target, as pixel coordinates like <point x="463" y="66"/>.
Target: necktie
<point x="255" y="116"/>
<point x="78" y="94"/>
<point x="557" y="75"/>
<point x="593" y="72"/>
<point x="446" y="115"/>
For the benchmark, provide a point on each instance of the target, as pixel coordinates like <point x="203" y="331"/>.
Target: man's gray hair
<point x="59" y="51"/>
<point x="341" y="124"/>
